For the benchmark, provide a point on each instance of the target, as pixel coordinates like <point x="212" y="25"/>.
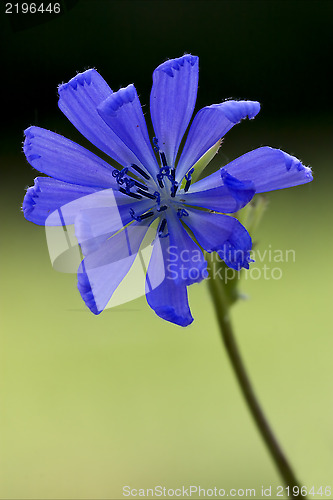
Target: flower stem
<point x="222" y="310"/>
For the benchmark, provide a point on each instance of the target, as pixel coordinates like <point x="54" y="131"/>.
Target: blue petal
<point x="78" y="100"/>
<point x="222" y="234"/>
<point x="165" y="297"/>
<point x="172" y="101"/>
<point x="270" y="169"/>
<point x="185" y="261"/>
<point x="122" y="112"/>
<point x="48" y="195"/>
<point x="209" y="125"/>
<point x="85" y="290"/>
<point x="220" y="192"/>
<point x="54" y="155"/>
<point x="95" y="225"/>
<point x="101" y="272"/>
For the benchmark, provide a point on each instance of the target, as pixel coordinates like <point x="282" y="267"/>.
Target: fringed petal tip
<point x="35" y="207"/>
<point x="293" y="164"/>
<point x="234" y="257"/>
<point x="236" y="251"/>
<point x="29" y="201"/>
<point x="172" y="65"/>
<point x="269" y="169"/>
<point x="210" y="124"/>
<point x="115" y="101"/>
<point x="79" y="79"/>
<point x="29" y="132"/>
<point x="236" y="111"/>
<point x="85" y="290"/>
<point x="28" y="145"/>
<point x="168" y="313"/>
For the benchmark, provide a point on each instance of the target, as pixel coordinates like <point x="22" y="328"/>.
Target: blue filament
<point x="181" y="212"/>
<point x="174" y="188"/>
<point x="121" y="178"/>
<point x="161" y="229"/>
<point x="140" y="171"/>
<point x="158" y="199"/>
<point x="188" y="178"/>
<point x="139" y="218"/>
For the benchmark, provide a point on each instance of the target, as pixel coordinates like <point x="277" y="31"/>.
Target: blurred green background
<point x="90" y="404"/>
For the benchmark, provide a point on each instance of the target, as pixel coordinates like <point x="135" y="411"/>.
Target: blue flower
<point x="153" y="183"/>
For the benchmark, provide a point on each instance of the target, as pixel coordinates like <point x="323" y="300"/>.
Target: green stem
<point x="222" y="311"/>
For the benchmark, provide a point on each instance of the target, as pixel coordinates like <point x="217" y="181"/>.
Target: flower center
<point x="166" y="189"/>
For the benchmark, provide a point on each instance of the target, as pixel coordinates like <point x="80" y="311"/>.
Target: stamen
<point x="181" y="212"/>
<point x="163" y="159"/>
<point x="161" y="229"/>
<point x="140" y="171"/>
<point x="140" y="185"/>
<point x="148" y="195"/>
<point x="159" y="178"/>
<point x="132" y="213"/>
<point x="119" y="175"/>
<point x="139" y="218"/>
<point x="162" y="208"/>
<point x="129" y="184"/>
<point x="132" y="195"/>
<point x="121" y="178"/>
<point x="165" y="170"/>
<point x="174" y="188"/>
<point x="162" y="226"/>
<point x="158" y="198"/>
<point x="188" y="178"/>
<point x="145" y="216"/>
<point x="116" y="175"/>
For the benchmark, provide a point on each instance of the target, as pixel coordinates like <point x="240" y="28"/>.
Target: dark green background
<point x="94" y="403"/>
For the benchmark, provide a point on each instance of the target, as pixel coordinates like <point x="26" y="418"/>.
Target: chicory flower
<point x="155" y="183"/>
